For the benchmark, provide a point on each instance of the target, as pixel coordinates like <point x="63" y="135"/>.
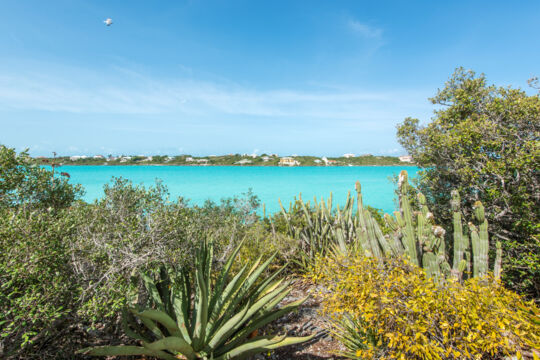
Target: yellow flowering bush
<point x="392" y="310"/>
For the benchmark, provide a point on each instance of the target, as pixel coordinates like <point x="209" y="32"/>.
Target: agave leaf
<point x="173" y="343"/>
<point x="150" y="324"/>
<point x="223" y="303"/>
<point x="125" y="350"/>
<point x="232" y="326"/>
<point x="259" y="322"/>
<point x="162" y="318"/>
<point x="202" y="307"/>
<point x="225" y="329"/>
<point x="262" y="343"/>
<point x="223" y="276"/>
<point x="152" y="291"/>
<point x="180" y="309"/>
<point x="261" y="288"/>
<point x="252" y="277"/>
<point x="290" y="340"/>
<point x="127" y="329"/>
<point x="253" y="346"/>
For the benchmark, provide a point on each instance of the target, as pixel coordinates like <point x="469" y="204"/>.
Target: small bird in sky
<point x="108" y="22"/>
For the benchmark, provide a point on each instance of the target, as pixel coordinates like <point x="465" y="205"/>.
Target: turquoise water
<point x="199" y="183"/>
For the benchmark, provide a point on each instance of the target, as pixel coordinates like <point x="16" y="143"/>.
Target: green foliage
<point x="201" y="317"/>
<point x="24" y="184"/>
<point x="37" y="284"/>
<point x="484" y="142"/>
<point x="78" y="264"/>
<point x="133" y="229"/>
<point x="394" y="310"/>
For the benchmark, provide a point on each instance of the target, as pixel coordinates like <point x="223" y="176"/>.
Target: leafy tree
<point x="484" y="141"/>
<point x="27" y="185"/>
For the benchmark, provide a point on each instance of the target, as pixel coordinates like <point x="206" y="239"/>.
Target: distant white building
<point x="190" y="159"/>
<point x="288" y="161"/>
<point x="99" y="157"/>
<point x="202" y="161"/>
<point x="266" y="158"/>
<point x="149" y="158"/>
<point x="348" y="155"/>
<point x="169" y="158"/>
<point x="405" y="158"/>
<point x="317" y="161"/>
<point x="243" y="162"/>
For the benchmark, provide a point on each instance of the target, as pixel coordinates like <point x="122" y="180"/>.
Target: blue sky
<point x="214" y="77"/>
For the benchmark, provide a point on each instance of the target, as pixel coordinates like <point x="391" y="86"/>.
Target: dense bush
<point x="484" y="141"/>
<point x="392" y="310"/>
<point x="37" y="283"/>
<point x="23" y="184"/>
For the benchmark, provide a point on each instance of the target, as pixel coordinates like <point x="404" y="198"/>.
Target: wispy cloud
<point x="365" y="30"/>
<point x="133" y="93"/>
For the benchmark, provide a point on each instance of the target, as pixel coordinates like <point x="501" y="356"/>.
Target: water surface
<point x="199" y="183"/>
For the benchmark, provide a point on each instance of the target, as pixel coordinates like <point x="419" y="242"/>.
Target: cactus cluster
<point x="192" y="316"/>
<point x="413" y="234"/>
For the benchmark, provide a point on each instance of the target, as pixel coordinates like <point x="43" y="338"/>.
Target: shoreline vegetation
<point x="228" y="160"/>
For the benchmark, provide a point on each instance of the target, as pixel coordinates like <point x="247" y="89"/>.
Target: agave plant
<point x="197" y="316"/>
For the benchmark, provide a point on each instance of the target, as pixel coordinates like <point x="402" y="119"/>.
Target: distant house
<point x="74" y="158"/>
<point x="288" y="161"/>
<point x="149" y="158"/>
<point x="405" y="158"/>
<point x="202" y="161"/>
<point x="190" y="159"/>
<point x="99" y="157"/>
<point x="125" y="159"/>
<point x="266" y="158"/>
<point x="243" y="162"/>
<point x="317" y="161"/>
<point x="169" y="158"/>
<point x="348" y="155"/>
<point x="328" y="161"/>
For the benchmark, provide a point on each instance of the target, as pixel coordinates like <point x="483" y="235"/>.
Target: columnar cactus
<point x="414" y="234"/>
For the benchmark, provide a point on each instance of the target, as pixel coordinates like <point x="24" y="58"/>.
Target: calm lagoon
<point x="199" y="183"/>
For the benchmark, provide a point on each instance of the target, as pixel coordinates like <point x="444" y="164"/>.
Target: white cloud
<point x="365" y="30"/>
<point x="133" y="93"/>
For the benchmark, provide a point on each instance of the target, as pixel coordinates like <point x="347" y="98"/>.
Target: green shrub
<point x="23" y="184"/>
<point x="37" y="283"/>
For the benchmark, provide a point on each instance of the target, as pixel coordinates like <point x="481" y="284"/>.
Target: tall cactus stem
<point x="408" y="232"/>
<point x="497" y="267"/>
<point x="460" y="240"/>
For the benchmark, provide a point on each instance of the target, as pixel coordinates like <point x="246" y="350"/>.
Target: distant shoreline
<point x="215" y="165"/>
<point x="348" y="160"/>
